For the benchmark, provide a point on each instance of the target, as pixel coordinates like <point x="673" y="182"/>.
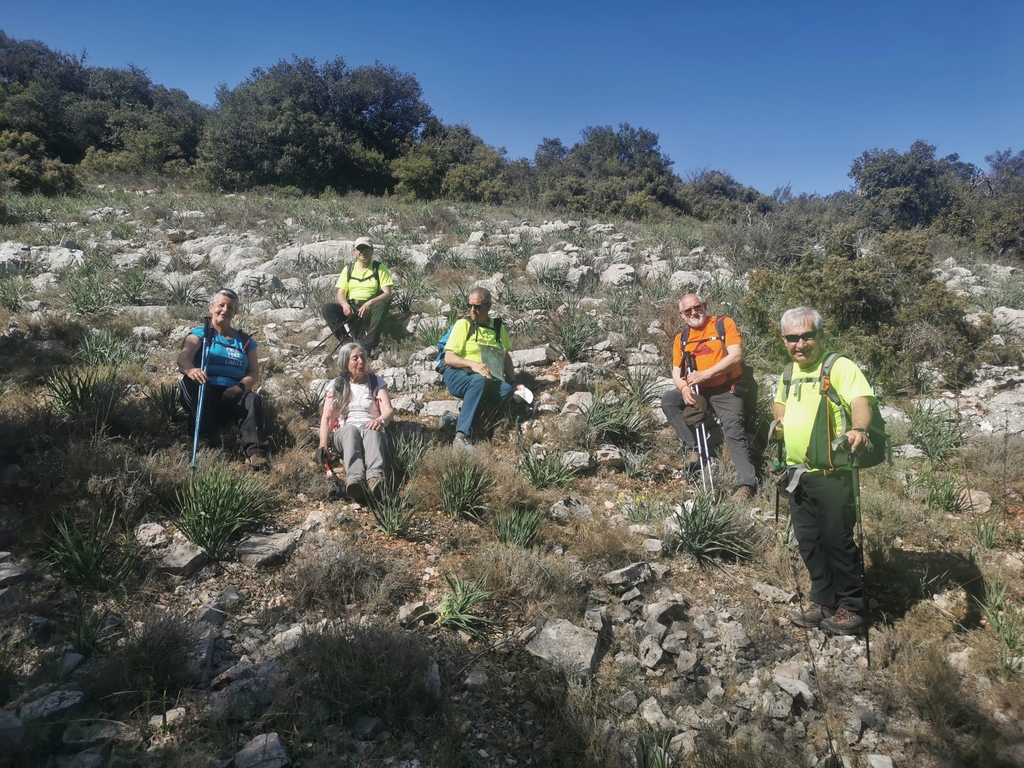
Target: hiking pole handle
<point x="841" y="442"/>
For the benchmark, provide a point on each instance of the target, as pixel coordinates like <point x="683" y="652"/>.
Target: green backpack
<point x="820" y="454"/>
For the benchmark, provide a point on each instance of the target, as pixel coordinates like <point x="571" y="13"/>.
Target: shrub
<point x="463" y="486"/>
<point x="549" y="470"/>
<point x="163" y="401"/>
<point x="409" y="450"/>
<point x="25" y="168"/>
<point x="332" y="577"/>
<point x="709" y="530"/>
<point x="13" y="290"/>
<point x="94" y="556"/>
<point x="1006" y="620"/>
<point x="184" y="293"/>
<point x="518" y="527"/>
<point x="89" y="294"/>
<point x="935" y="433"/>
<point x="215" y="505"/>
<point x="353" y="670"/>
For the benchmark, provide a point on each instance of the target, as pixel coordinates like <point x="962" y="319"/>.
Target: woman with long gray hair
<point x="356" y="410"/>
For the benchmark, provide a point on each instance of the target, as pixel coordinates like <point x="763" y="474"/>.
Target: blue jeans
<point x="473" y="389"/>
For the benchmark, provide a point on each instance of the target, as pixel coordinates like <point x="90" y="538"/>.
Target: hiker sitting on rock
<point x="356" y="410"/>
<point x="364" y="290"/>
<point x="232" y="372"/>
<point x="822" y="504"/>
<point x="707" y="357"/>
<point x="477" y="365"/>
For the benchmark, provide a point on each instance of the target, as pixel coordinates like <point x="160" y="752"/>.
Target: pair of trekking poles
<point x="707" y="480"/>
<point x="841" y="443"/>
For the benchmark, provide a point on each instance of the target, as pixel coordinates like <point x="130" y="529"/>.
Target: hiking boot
<point x="354" y="490"/>
<point x="258" y="462"/>
<point x="373" y="485"/>
<point x="743" y="493"/>
<point x="461" y="442"/>
<point x="448" y="420"/>
<point x="692" y="458"/>
<point x="810" y="619"/>
<point x="843" y="622"/>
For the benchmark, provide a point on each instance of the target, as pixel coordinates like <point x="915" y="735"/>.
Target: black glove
<point x="321" y="456"/>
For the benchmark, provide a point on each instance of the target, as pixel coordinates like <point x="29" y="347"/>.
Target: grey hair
<point x="695" y="295"/>
<point x="797" y="314"/>
<point x="339" y="388"/>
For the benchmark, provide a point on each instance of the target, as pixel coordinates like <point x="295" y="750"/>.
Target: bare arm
<point x="326" y="416"/>
<point x="733" y="357"/>
<point x="860" y="418"/>
<point x="384" y="295"/>
<point x="189" y="350"/>
<point x="387" y="411"/>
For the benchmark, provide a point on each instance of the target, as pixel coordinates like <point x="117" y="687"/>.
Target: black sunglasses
<point x="793" y="338"/>
<point x="479" y="306"/>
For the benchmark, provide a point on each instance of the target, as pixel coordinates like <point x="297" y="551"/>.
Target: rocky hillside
<point x="569" y="593"/>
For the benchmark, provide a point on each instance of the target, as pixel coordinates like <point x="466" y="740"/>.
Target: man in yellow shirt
<point x="477" y="365"/>
<point x="364" y="290"/>
<point x="822" y="502"/>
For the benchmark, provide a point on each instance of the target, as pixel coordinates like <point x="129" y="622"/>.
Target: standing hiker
<point x="822" y="496"/>
<point x="364" y="290"/>
<point x="707" y="356"/>
<point x="232" y="373"/>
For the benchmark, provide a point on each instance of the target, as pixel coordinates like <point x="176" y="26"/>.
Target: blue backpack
<point x="474" y="328"/>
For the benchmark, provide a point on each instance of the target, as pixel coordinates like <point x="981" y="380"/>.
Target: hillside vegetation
<point x="406" y="632"/>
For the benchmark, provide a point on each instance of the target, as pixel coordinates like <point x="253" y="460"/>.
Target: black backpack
<point x="819" y="452"/>
<point x="474" y="329"/>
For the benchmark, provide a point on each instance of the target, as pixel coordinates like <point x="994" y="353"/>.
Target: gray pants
<point x="729" y="410"/>
<point x="362" y="452"/>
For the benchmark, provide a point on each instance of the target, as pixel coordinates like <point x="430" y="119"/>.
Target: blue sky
<point x="774" y="93"/>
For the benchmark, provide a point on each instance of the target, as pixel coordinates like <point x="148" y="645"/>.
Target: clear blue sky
<point x="774" y="93"/>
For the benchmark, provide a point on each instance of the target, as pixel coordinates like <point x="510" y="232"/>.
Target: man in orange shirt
<point x="713" y="349"/>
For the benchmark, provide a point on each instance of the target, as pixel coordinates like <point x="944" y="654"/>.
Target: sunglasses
<point x="698" y="310"/>
<point x="479" y="306"/>
<point x="793" y="338"/>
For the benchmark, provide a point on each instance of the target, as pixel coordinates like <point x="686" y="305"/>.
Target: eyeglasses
<point x="793" y="338"/>
<point x="479" y="306"/>
<point x="688" y="311"/>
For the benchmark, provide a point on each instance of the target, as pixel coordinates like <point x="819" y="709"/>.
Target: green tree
<point x="25" y="168"/>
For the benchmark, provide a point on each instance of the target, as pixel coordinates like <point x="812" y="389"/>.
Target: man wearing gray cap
<point x="364" y="289"/>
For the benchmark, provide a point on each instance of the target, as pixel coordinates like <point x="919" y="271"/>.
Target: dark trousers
<point x="729" y="409"/>
<point x="823" y="512"/>
<point x="365" y="330"/>
<point x="244" y="410"/>
<point x="473" y="389"/>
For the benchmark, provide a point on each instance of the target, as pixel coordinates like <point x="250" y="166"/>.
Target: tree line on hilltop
<point x="316" y="127"/>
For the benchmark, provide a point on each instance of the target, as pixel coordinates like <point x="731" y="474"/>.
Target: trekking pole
<point x="844" y="442"/>
<point x="707" y="481"/>
<point x="780" y="461"/>
<point x="202" y="392"/>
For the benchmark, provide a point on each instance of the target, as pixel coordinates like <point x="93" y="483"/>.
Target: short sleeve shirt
<point x="363" y="286"/>
<point x="804" y="396"/>
<point x="707" y="349"/>
<point x="467" y="345"/>
<point x="226" y="359"/>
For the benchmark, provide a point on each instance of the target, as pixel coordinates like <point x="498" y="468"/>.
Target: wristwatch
<point x="861" y="430"/>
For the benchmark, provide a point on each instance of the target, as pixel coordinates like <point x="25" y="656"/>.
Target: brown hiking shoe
<point x="354" y="489"/>
<point x="843" y="622"/>
<point x="810" y="619"/>
<point x="258" y="462"/>
<point x="743" y="493"/>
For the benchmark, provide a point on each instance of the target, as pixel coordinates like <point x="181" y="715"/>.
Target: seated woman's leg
<point x="348" y="443"/>
<point x="375" y="453"/>
<point x="248" y="412"/>
<point x="213" y="413"/>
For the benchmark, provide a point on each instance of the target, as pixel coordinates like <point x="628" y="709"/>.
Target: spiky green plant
<point x="518" y="527"/>
<point x="88" y="294"/>
<point x="429" y="332"/>
<point x="92" y="391"/>
<point x="163" y="401"/>
<point x="573" y="331"/>
<point x="184" y="293"/>
<point x="95" y="556"/>
<point x="104" y="348"/>
<point x="215" y="505"/>
<point x="393" y="512"/>
<point x="709" y="530"/>
<point x="618" y="421"/>
<point x="546" y="470"/>
<point x="13" y="289"/>
<point x="463" y="486"/>
<point x="935" y="432"/>
<point x="645" y="509"/>
<point x="458" y="604"/>
<point x="137" y="287"/>
<point x="1006" y="620"/>
<point x="410" y="448"/>
<point x="986" y="531"/>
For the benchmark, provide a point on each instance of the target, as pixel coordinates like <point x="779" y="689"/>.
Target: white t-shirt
<point x="362" y="408"/>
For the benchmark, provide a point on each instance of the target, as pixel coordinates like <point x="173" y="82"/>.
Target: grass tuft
<point x="215" y="505"/>
<point x="457" y="605"/>
<point x="518" y="527"/>
<point x="463" y="486"/>
<point x="549" y="470"/>
<point x="710" y="530"/>
<point x="94" y="556"/>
